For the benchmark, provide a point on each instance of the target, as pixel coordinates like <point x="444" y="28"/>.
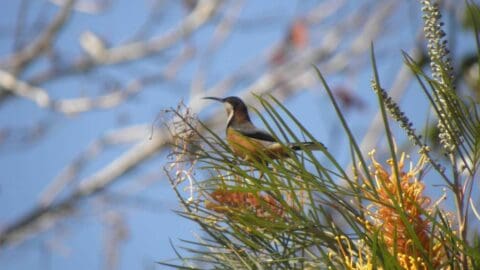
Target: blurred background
<point x="83" y="85"/>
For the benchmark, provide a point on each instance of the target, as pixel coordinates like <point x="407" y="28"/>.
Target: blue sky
<point x="26" y="169"/>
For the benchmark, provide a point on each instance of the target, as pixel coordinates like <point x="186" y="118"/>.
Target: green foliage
<point x="307" y="211"/>
<point x="471" y="17"/>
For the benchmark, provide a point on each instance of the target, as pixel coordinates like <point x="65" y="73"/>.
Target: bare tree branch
<point x="291" y="77"/>
<point x="78" y="105"/>
<point x="43" y="42"/>
<point x="203" y="11"/>
<point x="128" y="135"/>
<point x="10" y="83"/>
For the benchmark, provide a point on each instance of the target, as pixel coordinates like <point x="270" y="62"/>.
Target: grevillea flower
<point x="358" y="258"/>
<point x="398" y="214"/>
<point x="230" y="201"/>
<point x="442" y="72"/>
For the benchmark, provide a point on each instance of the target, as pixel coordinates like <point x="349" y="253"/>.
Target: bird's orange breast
<point x="252" y="149"/>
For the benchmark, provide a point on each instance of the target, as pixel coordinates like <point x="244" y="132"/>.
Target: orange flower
<point x="228" y="201"/>
<point x="397" y="197"/>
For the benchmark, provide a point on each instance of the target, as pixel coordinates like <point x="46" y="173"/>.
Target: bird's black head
<point x="236" y="103"/>
<point x="236" y="109"/>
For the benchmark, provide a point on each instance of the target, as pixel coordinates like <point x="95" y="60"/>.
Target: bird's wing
<point x="255" y="133"/>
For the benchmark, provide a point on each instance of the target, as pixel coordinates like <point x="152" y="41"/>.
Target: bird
<point x="251" y="143"/>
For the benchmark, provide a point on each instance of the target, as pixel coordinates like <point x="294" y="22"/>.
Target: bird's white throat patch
<point x="230" y="112"/>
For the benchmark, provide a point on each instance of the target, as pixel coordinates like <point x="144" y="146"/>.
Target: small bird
<point x="250" y="142"/>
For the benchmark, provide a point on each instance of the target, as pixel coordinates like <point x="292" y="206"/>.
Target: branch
<point x="8" y="82"/>
<point x="293" y="76"/>
<point x="42" y="217"/>
<point x="21" y="59"/>
<point x="72" y="106"/>
<point x="203" y="11"/>
<point x="131" y="134"/>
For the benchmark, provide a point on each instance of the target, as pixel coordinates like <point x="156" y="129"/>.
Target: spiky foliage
<point x="297" y="214"/>
<point x="310" y="212"/>
<point x="457" y="117"/>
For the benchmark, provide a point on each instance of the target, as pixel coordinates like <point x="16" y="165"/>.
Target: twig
<point x="292" y="76"/>
<point x="202" y="13"/>
<point x="70" y="173"/>
<point x="17" y="87"/>
<point x="43" y="42"/>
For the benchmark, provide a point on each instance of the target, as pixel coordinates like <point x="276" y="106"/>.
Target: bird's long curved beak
<point x="214" y="98"/>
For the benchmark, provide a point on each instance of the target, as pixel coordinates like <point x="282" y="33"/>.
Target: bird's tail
<point x="307" y="146"/>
